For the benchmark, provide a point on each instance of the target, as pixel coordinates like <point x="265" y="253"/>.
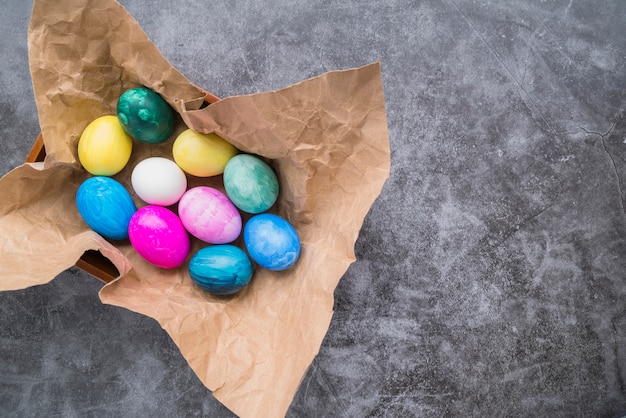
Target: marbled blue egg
<point x="271" y="241"/>
<point x="106" y="206"/>
<point x="221" y="269"/>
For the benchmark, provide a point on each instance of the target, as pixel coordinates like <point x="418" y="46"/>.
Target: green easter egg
<point x="250" y="183"/>
<point x="145" y="115"/>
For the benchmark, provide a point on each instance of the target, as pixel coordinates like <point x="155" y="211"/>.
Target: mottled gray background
<point x="491" y="272"/>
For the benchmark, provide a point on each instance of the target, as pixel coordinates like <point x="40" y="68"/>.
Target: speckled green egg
<point x="145" y="115"/>
<point x="250" y="183"/>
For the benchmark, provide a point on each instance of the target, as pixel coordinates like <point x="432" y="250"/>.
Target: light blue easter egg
<point x="271" y="241"/>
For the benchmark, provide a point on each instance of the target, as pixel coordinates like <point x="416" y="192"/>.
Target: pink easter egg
<point x="158" y="235"/>
<point x="209" y="215"/>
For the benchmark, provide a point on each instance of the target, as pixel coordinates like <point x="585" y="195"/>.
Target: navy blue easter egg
<point x="271" y="241"/>
<point x="106" y="206"/>
<point x="221" y="269"/>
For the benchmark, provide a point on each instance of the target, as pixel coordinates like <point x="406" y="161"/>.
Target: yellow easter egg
<point x="104" y="148"/>
<point x="202" y="155"/>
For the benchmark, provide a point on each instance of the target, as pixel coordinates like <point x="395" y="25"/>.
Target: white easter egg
<point x="158" y="181"/>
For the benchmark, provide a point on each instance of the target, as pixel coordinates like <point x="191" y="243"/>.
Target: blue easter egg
<point x="106" y="206"/>
<point x="271" y="241"/>
<point x="221" y="269"/>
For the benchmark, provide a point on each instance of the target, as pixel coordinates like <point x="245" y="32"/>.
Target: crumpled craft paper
<point x="326" y="138"/>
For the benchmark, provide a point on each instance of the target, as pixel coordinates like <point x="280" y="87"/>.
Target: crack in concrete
<point x="620" y="315"/>
<point x="567" y="9"/>
<point x="620" y="186"/>
<point x="526" y="97"/>
<point x="333" y="390"/>
<point x="525" y="221"/>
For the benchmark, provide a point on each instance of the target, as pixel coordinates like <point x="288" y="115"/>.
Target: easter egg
<point x="202" y="155"/>
<point x="158" y="181"/>
<point x="221" y="269"/>
<point x="145" y="115"/>
<point x="250" y="183"/>
<point x="104" y="148"/>
<point x="209" y="215"/>
<point x="271" y="241"/>
<point x="106" y="206"/>
<point x="158" y="235"/>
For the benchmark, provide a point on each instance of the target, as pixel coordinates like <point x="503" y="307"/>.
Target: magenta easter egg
<point x="209" y="215"/>
<point x="158" y="235"/>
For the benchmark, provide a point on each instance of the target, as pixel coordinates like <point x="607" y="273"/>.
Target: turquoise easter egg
<point x="145" y="115"/>
<point x="106" y="206"/>
<point x="271" y="241"/>
<point x="221" y="269"/>
<point x="250" y="183"/>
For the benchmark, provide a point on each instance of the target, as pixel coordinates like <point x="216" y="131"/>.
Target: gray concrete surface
<point x="491" y="272"/>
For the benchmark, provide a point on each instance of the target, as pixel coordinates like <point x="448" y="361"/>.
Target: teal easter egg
<point x="106" y="206"/>
<point x="145" y="115"/>
<point x="221" y="269"/>
<point x="250" y="183"/>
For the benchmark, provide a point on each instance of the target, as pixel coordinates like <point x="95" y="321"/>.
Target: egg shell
<point x="250" y="183"/>
<point x="106" y="206"/>
<point x="158" y="235"/>
<point x="158" y="181"/>
<point x="209" y="215"/>
<point x="221" y="269"/>
<point x="104" y="148"/>
<point x="145" y="115"/>
<point x="271" y="241"/>
<point x="202" y="155"/>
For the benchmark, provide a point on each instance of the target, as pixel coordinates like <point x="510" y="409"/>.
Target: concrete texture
<point x="491" y="272"/>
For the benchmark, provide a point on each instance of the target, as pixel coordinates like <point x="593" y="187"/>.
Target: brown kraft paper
<point x="325" y="137"/>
